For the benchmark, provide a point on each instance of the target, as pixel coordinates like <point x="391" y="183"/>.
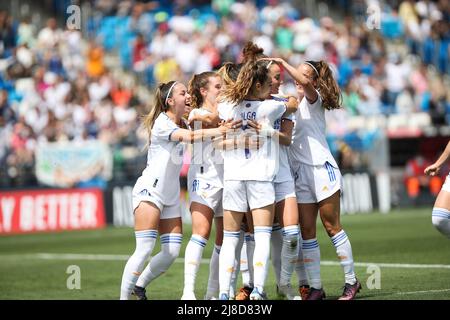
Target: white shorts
<point x="206" y="194"/>
<point x="284" y="190"/>
<point x="241" y="196"/>
<point x="316" y="183"/>
<point x="446" y="185"/>
<point x="166" y="212"/>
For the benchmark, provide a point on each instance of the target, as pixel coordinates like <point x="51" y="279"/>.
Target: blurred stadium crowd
<point x="56" y="84"/>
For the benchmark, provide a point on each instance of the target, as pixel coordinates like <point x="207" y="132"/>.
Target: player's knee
<point x="142" y="253"/>
<point x="437" y="221"/>
<point x="441" y="220"/>
<point x="172" y="252"/>
<point x="291" y="241"/>
<point x="202" y="231"/>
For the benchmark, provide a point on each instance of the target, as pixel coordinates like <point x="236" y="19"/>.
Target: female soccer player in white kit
<point x="249" y="174"/>
<point x="285" y="231"/>
<point x="205" y="183"/>
<point x="441" y="211"/>
<point x="316" y="173"/>
<point x="156" y="194"/>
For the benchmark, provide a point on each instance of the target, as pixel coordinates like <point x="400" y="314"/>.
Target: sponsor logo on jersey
<point x="144" y="193"/>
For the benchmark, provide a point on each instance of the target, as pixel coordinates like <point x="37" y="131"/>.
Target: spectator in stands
<point x="405" y="103"/>
<point x="8" y="35"/>
<point x="396" y="80"/>
<point x="26" y="33"/>
<point x="7" y="114"/>
<point x="419" y="79"/>
<point x="95" y="65"/>
<point x="416" y="181"/>
<point x="121" y="95"/>
<point x="166" y="69"/>
<point x="216" y="35"/>
<point x="139" y="54"/>
<point x="50" y="36"/>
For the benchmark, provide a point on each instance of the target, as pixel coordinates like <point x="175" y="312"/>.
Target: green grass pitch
<point x="403" y="237"/>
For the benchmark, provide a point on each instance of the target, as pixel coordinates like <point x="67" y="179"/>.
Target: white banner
<point x="64" y="164"/>
<point x="357" y="193"/>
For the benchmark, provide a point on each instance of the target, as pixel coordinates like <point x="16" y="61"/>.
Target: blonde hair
<point x="326" y="85"/>
<point x="229" y="72"/>
<point x="252" y="72"/>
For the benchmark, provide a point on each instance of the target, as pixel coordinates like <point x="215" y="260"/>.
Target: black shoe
<point x="139" y="292"/>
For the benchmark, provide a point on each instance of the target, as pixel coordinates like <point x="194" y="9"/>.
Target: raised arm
<point x="310" y="92"/>
<point x="436" y="167"/>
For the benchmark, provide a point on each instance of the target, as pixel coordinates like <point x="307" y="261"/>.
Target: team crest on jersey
<point x="195" y="185"/>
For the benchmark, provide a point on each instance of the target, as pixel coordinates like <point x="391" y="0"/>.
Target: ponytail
<point x="326" y="85"/>
<point x="163" y="92"/>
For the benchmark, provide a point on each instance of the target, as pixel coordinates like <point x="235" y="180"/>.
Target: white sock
<point x="289" y="253"/>
<point x="344" y="253"/>
<point x="250" y="242"/>
<point x="441" y="220"/>
<point x="311" y="259"/>
<point x="227" y="260"/>
<point x="145" y="242"/>
<point x="192" y="260"/>
<point x="244" y="262"/>
<point x="213" y="279"/>
<point x="237" y="264"/>
<point x="277" y="244"/>
<point x="300" y="266"/>
<point x="170" y="249"/>
<point x="261" y="256"/>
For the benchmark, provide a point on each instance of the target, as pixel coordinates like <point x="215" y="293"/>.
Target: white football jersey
<point x="224" y="108"/>
<point x="261" y="164"/>
<point x="206" y="162"/>
<point x="164" y="162"/>
<point x="309" y="143"/>
<point x="284" y="172"/>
